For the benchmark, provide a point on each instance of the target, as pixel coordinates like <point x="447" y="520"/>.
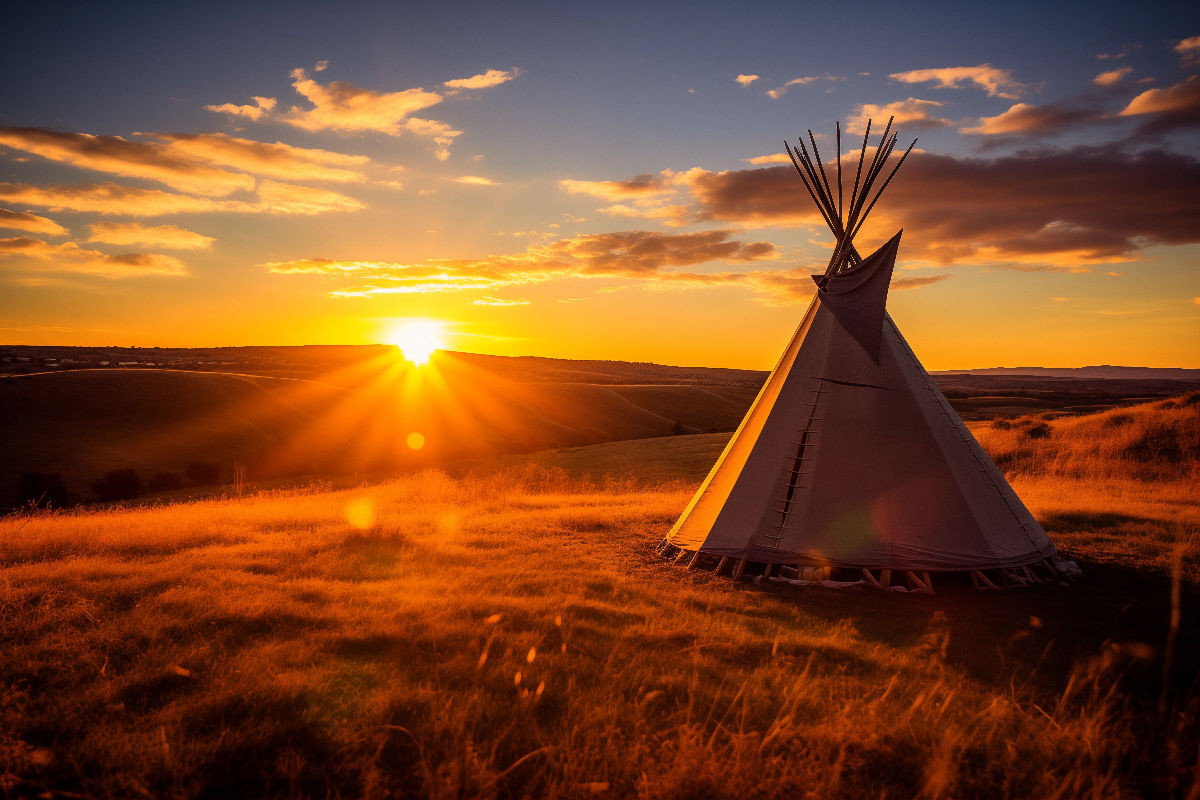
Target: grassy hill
<point x="510" y="633"/>
<point x="84" y="423"/>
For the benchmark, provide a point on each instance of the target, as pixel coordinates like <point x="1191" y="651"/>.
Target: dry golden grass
<point x="513" y="635"/>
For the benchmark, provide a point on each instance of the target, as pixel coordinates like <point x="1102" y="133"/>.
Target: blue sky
<point x="557" y="111"/>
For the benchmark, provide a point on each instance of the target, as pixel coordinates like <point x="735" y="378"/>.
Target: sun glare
<point x="418" y="340"/>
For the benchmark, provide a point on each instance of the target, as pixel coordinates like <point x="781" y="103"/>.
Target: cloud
<point x="32" y="223"/>
<point x="780" y="91"/>
<point x="476" y="180"/>
<point x="496" y="301"/>
<point x="484" y="80"/>
<point x="996" y="82"/>
<point x="120" y="156"/>
<point x="911" y="113"/>
<point x="287" y="198"/>
<point x="34" y="254"/>
<point x="1189" y="50"/>
<point x="345" y="108"/>
<point x="277" y="160"/>
<point x="1062" y="209"/>
<point x="746" y="80"/>
<point x="774" y="158"/>
<point x="1174" y="107"/>
<point x="917" y="282"/>
<point x="321" y="65"/>
<point x="1112" y="76"/>
<point x="115" y="199"/>
<point x="1022" y="118"/>
<point x="643" y="185"/>
<point x="645" y="255"/>
<point x="169" y="237"/>
<point x="263" y="106"/>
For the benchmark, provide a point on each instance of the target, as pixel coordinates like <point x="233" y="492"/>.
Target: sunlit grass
<point x="511" y="633"/>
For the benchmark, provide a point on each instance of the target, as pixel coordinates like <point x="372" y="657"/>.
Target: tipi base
<point x="1044" y="572"/>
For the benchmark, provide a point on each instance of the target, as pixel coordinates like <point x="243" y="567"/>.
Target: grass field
<point x="506" y="631"/>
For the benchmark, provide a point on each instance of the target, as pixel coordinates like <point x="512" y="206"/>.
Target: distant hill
<point x="85" y="423"/>
<point x="278" y="412"/>
<point x="1103" y="372"/>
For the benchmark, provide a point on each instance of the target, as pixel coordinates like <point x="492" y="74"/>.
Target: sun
<point x="418" y="340"/>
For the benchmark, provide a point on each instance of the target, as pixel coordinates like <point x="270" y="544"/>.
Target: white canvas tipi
<point x="851" y="458"/>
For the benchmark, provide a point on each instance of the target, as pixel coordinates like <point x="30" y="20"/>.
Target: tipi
<point x="850" y="459"/>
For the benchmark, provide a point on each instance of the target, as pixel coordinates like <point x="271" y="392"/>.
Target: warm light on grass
<point x="418" y="340"/>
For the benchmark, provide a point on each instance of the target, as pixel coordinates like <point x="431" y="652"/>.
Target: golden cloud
<point x="1183" y="96"/>
<point x="774" y="158"/>
<point x="625" y="254"/>
<point x="343" y="107"/>
<point x="170" y="237"/>
<point x="484" y="80"/>
<point x="476" y="180"/>
<point x="23" y="221"/>
<point x="996" y="82"/>
<point x="1189" y="50"/>
<point x="30" y="253"/>
<point x="1112" y="76"/>
<point x="277" y="160"/>
<point x="911" y="113"/>
<point x="115" y="199"/>
<point x="262" y="107"/>
<point x="780" y="91"/>
<point x="1023" y="118"/>
<point x="746" y="80"/>
<point x="638" y="186"/>
<point x="119" y="156"/>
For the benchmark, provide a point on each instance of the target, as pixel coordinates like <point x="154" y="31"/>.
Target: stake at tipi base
<point x="850" y="458"/>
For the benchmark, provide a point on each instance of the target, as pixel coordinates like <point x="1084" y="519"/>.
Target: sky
<point x="602" y="181"/>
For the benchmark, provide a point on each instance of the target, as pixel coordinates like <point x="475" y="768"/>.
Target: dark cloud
<point x="1067" y="207"/>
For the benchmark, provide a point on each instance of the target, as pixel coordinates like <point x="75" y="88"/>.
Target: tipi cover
<point x="851" y="457"/>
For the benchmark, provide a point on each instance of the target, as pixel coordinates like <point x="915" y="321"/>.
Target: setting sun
<point x="418" y="340"/>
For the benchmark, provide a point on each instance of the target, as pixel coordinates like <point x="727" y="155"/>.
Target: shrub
<point x="203" y="474"/>
<point x="120" y="484"/>
<point x="1038" y="431"/>
<point x="164" y="481"/>
<point x="42" y="490"/>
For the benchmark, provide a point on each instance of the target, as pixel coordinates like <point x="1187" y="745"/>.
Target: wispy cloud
<point x="912" y="113"/>
<point x="31" y="223"/>
<point x="498" y="302"/>
<point x="1111" y="77"/>
<point x="804" y="80"/>
<point x="774" y="158"/>
<point x="273" y="159"/>
<point x="1022" y="118"/>
<point x="476" y="180"/>
<point x="642" y="185"/>
<point x="1189" y="50"/>
<point x="1173" y="107"/>
<point x="169" y="237"/>
<point x="746" y="80"/>
<point x="996" y="82"/>
<point x="484" y="80"/>
<point x="645" y="255"/>
<point x="28" y="253"/>
<point x="119" y="156"/>
<point x="112" y="198"/>
<point x="342" y="107"/>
